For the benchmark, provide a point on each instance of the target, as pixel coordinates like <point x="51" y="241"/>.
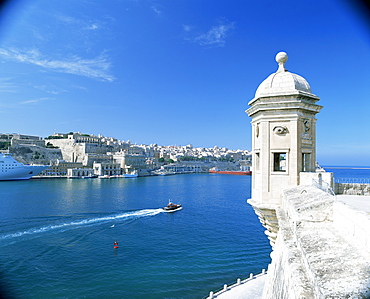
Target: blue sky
<point x="175" y="72"/>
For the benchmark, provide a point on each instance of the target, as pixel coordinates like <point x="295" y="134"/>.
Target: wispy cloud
<point x="67" y="19"/>
<point x="86" y="24"/>
<point x="6" y="86"/>
<point x="35" y="101"/>
<point x="156" y="10"/>
<point x="51" y="89"/>
<point x="96" y="68"/>
<point x="216" y="36"/>
<point x="92" y="27"/>
<point x="79" y="87"/>
<point x="187" y="28"/>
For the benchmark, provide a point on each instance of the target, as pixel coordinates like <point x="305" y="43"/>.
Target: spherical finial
<point x="281" y="58"/>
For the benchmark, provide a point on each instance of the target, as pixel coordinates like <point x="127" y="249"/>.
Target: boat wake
<point x="83" y="223"/>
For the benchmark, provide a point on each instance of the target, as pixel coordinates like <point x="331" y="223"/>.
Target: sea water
<point x="57" y="235"/>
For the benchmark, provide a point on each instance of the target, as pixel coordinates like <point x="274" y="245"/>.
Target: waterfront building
<point x="90" y="158"/>
<point x="87" y="149"/>
<point x="80" y="172"/>
<point x="181" y="168"/>
<point x="107" y="169"/>
<point x="131" y="162"/>
<point x="60" y="168"/>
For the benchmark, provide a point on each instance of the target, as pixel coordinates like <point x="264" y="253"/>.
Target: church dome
<point x="283" y="82"/>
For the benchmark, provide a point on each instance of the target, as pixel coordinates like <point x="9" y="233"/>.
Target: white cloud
<point x="187" y="28"/>
<point x="92" y="27"/>
<point x="216" y="36"/>
<point x="67" y="19"/>
<point x="35" y="101"/>
<point x="6" y="86"/>
<point x="51" y="90"/>
<point x="96" y="68"/>
<point x="156" y="10"/>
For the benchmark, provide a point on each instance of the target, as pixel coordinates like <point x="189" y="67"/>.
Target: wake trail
<point x="83" y="223"/>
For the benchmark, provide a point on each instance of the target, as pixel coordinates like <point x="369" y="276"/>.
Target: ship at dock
<point x="10" y="169"/>
<point x="236" y="172"/>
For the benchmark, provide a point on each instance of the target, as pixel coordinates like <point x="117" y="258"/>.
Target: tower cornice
<point x="275" y="103"/>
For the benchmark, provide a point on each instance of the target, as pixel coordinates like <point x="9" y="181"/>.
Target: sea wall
<point x="313" y="256"/>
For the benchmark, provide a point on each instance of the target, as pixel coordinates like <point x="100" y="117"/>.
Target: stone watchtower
<point x="283" y="139"/>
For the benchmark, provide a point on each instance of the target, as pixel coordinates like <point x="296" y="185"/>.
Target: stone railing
<point x="324" y="186"/>
<point x="352" y="181"/>
<point x="239" y="282"/>
<point x="352" y="186"/>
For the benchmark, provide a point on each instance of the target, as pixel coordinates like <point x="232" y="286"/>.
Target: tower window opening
<point x="280" y="162"/>
<point x="257" y="161"/>
<point x="306" y="161"/>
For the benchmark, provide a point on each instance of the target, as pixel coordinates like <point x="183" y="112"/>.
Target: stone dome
<point x="283" y="82"/>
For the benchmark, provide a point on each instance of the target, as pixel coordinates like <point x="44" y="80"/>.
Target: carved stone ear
<point x="280" y="130"/>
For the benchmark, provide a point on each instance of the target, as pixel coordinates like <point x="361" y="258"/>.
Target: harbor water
<point x="56" y="237"/>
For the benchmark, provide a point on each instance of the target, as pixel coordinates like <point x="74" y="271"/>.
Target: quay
<point x="250" y="288"/>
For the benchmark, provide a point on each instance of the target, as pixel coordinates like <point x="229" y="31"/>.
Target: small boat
<point x="164" y="172"/>
<point x="133" y="174"/>
<point x="171" y="207"/>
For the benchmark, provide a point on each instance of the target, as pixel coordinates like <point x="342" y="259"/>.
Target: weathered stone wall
<point x="33" y="154"/>
<point x="313" y="256"/>
<point x="77" y="152"/>
<point x="354" y="224"/>
<point x="352" y="189"/>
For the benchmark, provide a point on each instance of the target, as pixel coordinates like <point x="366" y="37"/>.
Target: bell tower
<point x="283" y="139"/>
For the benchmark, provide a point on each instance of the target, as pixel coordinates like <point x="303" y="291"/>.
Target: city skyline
<point x="181" y="72"/>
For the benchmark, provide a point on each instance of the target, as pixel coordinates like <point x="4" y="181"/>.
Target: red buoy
<point x="115" y="245"/>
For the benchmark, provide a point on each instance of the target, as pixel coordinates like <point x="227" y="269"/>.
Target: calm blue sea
<point x="56" y="237"/>
<point x="356" y="172"/>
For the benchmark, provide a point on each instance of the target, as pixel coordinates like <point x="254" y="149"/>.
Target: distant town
<point x="77" y="155"/>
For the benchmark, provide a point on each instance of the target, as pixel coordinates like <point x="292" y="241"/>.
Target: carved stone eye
<point x="280" y="130"/>
<point x="306" y="125"/>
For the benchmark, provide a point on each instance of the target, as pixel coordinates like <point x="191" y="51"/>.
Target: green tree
<point x="4" y="145"/>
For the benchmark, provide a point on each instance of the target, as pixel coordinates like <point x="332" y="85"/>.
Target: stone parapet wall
<point x="314" y="256"/>
<point x="352" y="189"/>
<point x="307" y="178"/>
<point x="353" y="224"/>
<point x="287" y="277"/>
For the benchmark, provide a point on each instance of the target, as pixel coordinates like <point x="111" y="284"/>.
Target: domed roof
<point x="283" y="82"/>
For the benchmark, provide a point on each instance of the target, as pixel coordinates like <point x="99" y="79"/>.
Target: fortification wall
<point x="314" y="256"/>
<point x="33" y="154"/>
